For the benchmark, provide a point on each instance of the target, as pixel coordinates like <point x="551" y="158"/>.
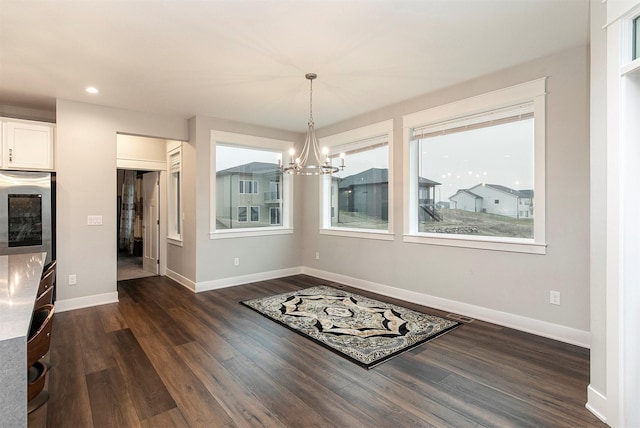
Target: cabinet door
<point x="28" y="146"/>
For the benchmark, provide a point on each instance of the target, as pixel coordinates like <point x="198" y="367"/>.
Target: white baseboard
<point x="245" y="279"/>
<point x="596" y="403"/>
<point x="86" y="302"/>
<point x="182" y="280"/>
<point x="529" y="325"/>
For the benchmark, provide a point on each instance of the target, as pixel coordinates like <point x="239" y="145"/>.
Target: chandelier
<point x="320" y="163"/>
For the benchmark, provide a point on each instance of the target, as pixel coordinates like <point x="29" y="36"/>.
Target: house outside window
<point x="242" y="214"/>
<point x="357" y="200"/>
<point x="251" y="196"/>
<point x="476" y="168"/>
<point x="174" y="161"/>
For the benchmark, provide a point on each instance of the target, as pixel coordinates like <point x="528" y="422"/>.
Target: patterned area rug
<point x="366" y="331"/>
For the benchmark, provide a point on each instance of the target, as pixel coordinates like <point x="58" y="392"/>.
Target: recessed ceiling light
<point x="92" y="90"/>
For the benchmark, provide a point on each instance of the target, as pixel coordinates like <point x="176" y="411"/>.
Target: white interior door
<point x="151" y="222"/>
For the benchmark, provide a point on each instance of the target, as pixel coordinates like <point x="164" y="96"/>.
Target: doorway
<point x="138" y="223"/>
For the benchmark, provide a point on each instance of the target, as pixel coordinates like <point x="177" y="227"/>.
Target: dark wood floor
<point x="165" y="357"/>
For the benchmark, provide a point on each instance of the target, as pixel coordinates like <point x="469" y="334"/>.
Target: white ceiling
<point x="246" y="60"/>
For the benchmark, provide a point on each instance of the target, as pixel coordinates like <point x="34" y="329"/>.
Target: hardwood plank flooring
<point x="165" y="357"/>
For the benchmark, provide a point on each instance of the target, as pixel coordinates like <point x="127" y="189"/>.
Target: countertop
<point x="19" y="280"/>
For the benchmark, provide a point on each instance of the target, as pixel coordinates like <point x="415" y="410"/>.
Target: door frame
<point x="162" y="203"/>
<point x="154" y="223"/>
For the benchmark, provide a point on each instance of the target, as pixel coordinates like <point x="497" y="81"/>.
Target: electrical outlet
<point x="554" y="297"/>
<point x="236" y="261"/>
<point x="94" y="220"/>
<point x="72" y="279"/>
<point x="317" y="255"/>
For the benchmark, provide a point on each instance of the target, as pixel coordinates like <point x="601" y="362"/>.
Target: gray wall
<point x="86" y="185"/>
<point x="507" y="282"/>
<point x="201" y="259"/>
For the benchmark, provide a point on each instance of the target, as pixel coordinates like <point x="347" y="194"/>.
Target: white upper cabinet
<point x="27" y="145"/>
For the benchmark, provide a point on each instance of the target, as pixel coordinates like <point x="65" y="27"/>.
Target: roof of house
<point x="468" y="192"/>
<point x="427" y="182"/>
<point x="377" y="176"/>
<point x="251" y="168"/>
<point x="370" y="176"/>
<point x="517" y="193"/>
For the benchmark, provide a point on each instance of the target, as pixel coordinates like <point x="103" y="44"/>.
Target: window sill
<point x="175" y="241"/>
<point x="631" y="68"/>
<point x="504" y="244"/>
<point x="245" y="233"/>
<point x="359" y="233"/>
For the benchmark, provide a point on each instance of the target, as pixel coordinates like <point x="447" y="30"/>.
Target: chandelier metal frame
<point x="322" y="166"/>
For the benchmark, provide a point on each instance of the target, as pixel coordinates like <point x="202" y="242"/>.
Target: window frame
<point x="278" y="215"/>
<point x="533" y="92"/>
<point x="251" y="211"/>
<point x="635" y="38"/>
<point x="336" y="144"/>
<point x="253" y="185"/>
<point x="246" y="214"/>
<point x="258" y="143"/>
<point x="175" y="214"/>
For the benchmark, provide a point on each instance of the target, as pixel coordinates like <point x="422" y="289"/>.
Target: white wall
<point x="86" y="185"/>
<point x="598" y="145"/>
<point x="141" y="150"/>
<point x="516" y="284"/>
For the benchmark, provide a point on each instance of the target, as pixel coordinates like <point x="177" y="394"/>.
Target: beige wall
<point x="512" y="283"/>
<point x="86" y="185"/>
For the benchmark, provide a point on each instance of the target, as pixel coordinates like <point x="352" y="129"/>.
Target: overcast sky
<point x="501" y="154"/>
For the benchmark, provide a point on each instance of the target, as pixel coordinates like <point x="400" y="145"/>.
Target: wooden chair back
<point x="51" y="267"/>
<point x="46" y="298"/>
<point x="46" y="282"/>
<point x="39" y="334"/>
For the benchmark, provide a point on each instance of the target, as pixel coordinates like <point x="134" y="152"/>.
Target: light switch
<point x="94" y="220"/>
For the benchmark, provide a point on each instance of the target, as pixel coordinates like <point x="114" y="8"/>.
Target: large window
<point x="357" y="200"/>
<point x="476" y="175"/>
<point x="250" y="192"/>
<point x="174" y="156"/>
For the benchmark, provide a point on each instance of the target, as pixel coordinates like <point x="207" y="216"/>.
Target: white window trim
<point x="533" y="91"/>
<point x="348" y="138"/>
<point x="254" y="187"/>
<point x="251" y="214"/>
<point x="238" y="214"/>
<point x="250" y="141"/>
<point x="175" y="148"/>
<point x="279" y="215"/>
